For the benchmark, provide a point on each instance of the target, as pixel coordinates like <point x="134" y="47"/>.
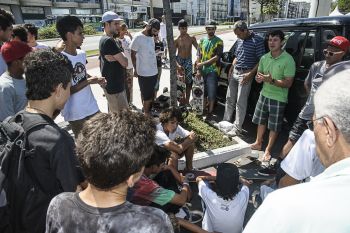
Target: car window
<point x="301" y="45"/>
<point x="347" y="34"/>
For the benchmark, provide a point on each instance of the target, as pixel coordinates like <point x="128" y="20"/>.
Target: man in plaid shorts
<point x="276" y="69"/>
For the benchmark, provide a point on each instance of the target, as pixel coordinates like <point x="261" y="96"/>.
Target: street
<point x="91" y="42"/>
<point x="94" y="70"/>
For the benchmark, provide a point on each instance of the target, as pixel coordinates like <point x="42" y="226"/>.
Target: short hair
<point x="6" y="19"/>
<point x="159" y="156"/>
<point x="182" y="23"/>
<point x="169" y="114"/>
<point x="241" y="25"/>
<point x="227" y="181"/>
<point x="332" y="99"/>
<point x="68" y="24"/>
<point x="123" y="26"/>
<point x="32" y="29"/>
<point x="154" y="23"/>
<point x="20" y="32"/>
<point x="44" y="70"/>
<point x="113" y="146"/>
<point x="278" y="33"/>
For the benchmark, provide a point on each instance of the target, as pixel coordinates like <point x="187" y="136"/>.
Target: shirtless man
<point x="183" y="45"/>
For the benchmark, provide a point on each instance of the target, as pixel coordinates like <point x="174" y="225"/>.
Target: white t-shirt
<point x="82" y="103"/>
<point x="162" y="31"/>
<point x="302" y="161"/>
<point x="162" y="138"/>
<point x="126" y="42"/>
<point x="40" y="45"/>
<point x="221" y="215"/>
<point x="146" y="61"/>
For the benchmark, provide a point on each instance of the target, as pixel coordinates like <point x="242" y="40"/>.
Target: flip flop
<point x="254" y="147"/>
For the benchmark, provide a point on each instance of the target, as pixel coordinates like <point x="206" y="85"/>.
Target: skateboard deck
<point x="192" y="175"/>
<point x="197" y="102"/>
<point x="252" y="174"/>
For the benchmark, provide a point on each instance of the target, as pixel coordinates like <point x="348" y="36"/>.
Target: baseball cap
<point x="109" y="16"/>
<point x="340" y="42"/>
<point x="227" y="178"/>
<point x="210" y="24"/>
<point x="14" y="50"/>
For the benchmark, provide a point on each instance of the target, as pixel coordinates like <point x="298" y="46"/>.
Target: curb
<point x="219" y="155"/>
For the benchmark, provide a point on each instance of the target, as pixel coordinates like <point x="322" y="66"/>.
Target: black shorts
<point x="147" y="86"/>
<point x="298" y="129"/>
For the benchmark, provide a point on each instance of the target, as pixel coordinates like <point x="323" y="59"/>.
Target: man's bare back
<point x="183" y="44"/>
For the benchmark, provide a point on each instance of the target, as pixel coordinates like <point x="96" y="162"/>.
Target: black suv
<point x="305" y="40"/>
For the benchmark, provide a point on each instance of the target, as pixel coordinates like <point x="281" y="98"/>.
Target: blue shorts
<point x="187" y="65"/>
<point x="210" y="85"/>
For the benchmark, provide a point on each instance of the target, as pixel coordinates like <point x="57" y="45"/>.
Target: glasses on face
<point x="329" y="53"/>
<point x="310" y="123"/>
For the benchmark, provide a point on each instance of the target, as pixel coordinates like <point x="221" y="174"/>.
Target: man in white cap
<point x="113" y="69"/>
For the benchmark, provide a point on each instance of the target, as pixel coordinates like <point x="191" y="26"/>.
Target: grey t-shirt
<point x="314" y="79"/>
<point x="3" y="65"/>
<point x="68" y="213"/>
<point x="12" y="95"/>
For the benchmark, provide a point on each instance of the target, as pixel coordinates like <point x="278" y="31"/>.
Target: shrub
<point x="208" y="137"/>
<point x="48" y="32"/>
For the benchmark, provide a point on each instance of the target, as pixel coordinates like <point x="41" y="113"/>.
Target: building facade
<point x="42" y="12"/>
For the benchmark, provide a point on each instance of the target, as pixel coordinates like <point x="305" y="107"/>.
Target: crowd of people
<point x="120" y="171"/>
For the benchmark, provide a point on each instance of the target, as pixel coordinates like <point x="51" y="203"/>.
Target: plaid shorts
<point x="270" y="111"/>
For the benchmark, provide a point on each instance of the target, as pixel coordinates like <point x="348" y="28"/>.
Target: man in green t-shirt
<point x="276" y="69"/>
<point x="209" y="52"/>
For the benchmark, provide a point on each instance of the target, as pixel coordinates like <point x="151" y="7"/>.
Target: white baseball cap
<point x="109" y="16"/>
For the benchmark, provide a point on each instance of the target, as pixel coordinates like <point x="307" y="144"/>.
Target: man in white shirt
<point x="32" y="36"/>
<point x="144" y="60"/>
<point x="162" y="38"/>
<point x="81" y="104"/>
<point x="321" y="205"/>
<point x="170" y="133"/>
<point x="225" y="206"/>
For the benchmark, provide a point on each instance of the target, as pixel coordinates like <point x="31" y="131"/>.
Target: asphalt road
<point x="91" y="42"/>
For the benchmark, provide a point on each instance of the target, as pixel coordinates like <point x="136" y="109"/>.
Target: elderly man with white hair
<point x="323" y="204"/>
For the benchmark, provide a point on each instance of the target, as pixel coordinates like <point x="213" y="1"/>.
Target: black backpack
<point x="26" y="202"/>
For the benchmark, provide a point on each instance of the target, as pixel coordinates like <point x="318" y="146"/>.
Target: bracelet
<point x="185" y="183"/>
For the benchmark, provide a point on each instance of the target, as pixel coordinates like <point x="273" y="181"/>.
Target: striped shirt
<point x="249" y="51"/>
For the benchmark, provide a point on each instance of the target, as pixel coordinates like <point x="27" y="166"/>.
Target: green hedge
<point x="49" y="32"/>
<point x="208" y="137"/>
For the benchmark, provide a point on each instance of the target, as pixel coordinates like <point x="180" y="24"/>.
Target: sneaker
<point x="268" y="171"/>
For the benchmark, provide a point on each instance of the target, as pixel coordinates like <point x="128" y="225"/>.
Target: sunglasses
<point x="329" y="53"/>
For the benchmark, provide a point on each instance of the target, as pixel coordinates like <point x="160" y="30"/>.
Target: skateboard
<point x="197" y="102"/>
<point x="192" y="175"/>
<point x="252" y="174"/>
<point x="181" y="89"/>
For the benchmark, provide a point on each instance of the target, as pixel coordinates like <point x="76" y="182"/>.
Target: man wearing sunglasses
<point x="334" y="53"/>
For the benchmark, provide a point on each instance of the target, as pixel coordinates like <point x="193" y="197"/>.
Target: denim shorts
<point x="210" y="85"/>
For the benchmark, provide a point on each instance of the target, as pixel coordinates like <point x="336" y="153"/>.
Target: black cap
<point x="182" y="23"/>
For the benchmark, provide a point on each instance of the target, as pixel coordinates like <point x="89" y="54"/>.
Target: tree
<point x="344" y="6"/>
<point x="269" y="7"/>
<point x="171" y="49"/>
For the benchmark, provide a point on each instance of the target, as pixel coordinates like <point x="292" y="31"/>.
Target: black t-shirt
<point x="159" y="46"/>
<point x="68" y="213"/>
<point x="112" y="71"/>
<point x="52" y="156"/>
